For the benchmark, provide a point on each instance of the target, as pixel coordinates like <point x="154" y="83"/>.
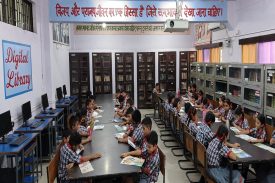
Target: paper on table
<point x="234" y="129"/>
<point x="130" y="160"/>
<point x="98" y="116"/>
<point x="217" y="120"/>
<point x="100" y="111"/>
<point x="131" y="144"/>
<point x="245" y="137"/>
<point x="98" y="127"/>
<point x="120" y="128"/>
<point x="117" y="120"/>
<point x="240" y="153"/>
<point x="96" y="121"/>
<point x="268" y="148"/>
<point x="86" y="167"/>
<point x="119" y="135"/>
<point x="95" y="114"/>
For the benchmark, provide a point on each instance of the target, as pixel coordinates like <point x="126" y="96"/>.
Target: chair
<point x="52" y="168"/>
<point x="162" y="158"/>
<point x="269" y="129"/>
<point x="178" y="135"/>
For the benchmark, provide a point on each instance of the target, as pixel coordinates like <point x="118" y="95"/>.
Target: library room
<point x="137" y="91"/>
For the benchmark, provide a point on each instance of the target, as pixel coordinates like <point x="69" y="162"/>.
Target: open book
<point x="234" y="129"/>
<point x="120" y="128"/>
<point x="240" y="153"/>
<point x="86" y="167"/>
<point x="245" y="137"/>
<point x="98" y="127"/>
<point x="119" y="135"/>
<point x="117" y="120"/>
<point x="130" y="160"/>
<point x="268" y="148"/>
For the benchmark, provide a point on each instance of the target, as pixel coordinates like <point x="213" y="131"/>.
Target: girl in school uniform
<point x="228" y="113"/>
<point x="259" y="132"/>
<point x="216" y="152"/>
<point x="199" y="101"/>
<point x="219" y="111"/>
<point x="240" y="122"/>
<point x="207" y="104"/>
<point x="184" y="118"/>
<point x="193" y="121"/>
<point x="177" y="105"/>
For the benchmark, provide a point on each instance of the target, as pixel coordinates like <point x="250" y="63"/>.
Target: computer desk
<point x="46" y="124"/>
<point x="19" y="152"/>
<point x="58" y="118"/>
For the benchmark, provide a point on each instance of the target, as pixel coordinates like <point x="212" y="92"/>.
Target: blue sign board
<point x="17" y="68"/>
<point x="136" y="11"/>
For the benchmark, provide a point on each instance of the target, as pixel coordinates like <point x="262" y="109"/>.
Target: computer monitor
<point x="64" y="91"/>
<point x="59" y="93"/>
<point x="5" y="125"/>
<point x="26" y="112"/>
<point x="45" y="102"/>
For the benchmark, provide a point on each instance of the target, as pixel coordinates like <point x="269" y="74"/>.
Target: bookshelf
<point x="186" y="57"/>
<point x="102" y="71"/>
<point x="125" y="72"/>
<point x="145" y="78"/>
<point x="79" y="76"/>
<point x="167" y="70"/>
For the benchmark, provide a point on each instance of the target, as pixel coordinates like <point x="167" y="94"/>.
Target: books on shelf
<point x="130" y="160"/>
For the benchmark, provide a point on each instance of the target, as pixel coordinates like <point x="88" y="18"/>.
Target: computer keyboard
<point x="19" y="140"/>
<point x="36" y="124"/>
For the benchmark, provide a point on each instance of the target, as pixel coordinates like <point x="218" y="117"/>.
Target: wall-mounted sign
<point x="124" y="29"/>
<point x="17" y="68"/>
<point x="136" y="11"/>
<point x="202" y="34"/>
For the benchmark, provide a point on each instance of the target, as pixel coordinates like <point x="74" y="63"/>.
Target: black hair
<point x="88" y="101"/>
<point x="176" y="101"/>
<point x="205" y="101"/>
<point x="239" y="111"/>
<point x="136" y="116"/>
<point x="73" y="121"/>
<point x="261" y="118"/>
<point x="170" y="97"/>
<point x="75" y="139"/>
<point x="222" y="132"/>
<point x="157" y="84"/>
<point x="209" y="117"/>
<point x="130" y="110"/>
<point x="194" y="86"/>
<point x="153" y="138"/>
<point x="147" y="122"/>
<point x="187" y="106"/>
<point x="66" y="133"/>
<point x="227" y="100"/>
<point x="195" y="96"/>
<point x="200" y="92"/>
<point x="222" y="98"/>
<point x="120" y="98"/>
<point x="192" y="112"/>
<point x="130" y="101"/>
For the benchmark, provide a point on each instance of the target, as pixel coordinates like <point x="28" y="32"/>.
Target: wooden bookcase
<point x="79" y="76"/>
<point x="167" y="70"/>
<point x="102" y="72"/>
<point x="145" y="78"/>
<point x="125" y="72"/>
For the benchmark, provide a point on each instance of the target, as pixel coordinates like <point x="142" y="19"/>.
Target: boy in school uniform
<point x="184" y="118"/>
<point x="193" y="121"/>
<point x="149" y="152"/>
<point x="205" y="134"/>
<point x="68" y="156"/>
<point x="74" y="126"/>
<point x="136" y="122"/>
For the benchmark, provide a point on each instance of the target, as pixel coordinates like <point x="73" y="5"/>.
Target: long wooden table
<point x="104" y="142"/>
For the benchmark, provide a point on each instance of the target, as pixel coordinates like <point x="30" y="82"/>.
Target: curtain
<point x="266" y="53"/>
<point x="206" y="55"/>
<point x="215" y="55"/>
<point x="249" y="53"/>
<point x="200" y="56"/>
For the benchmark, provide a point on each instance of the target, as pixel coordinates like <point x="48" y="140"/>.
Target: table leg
<point x="16" y="168"/>
<point x="40" y="142"/>
<point x="23" y="164"/>
<point x="50" y="142"/>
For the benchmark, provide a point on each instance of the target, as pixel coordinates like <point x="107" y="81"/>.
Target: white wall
<point x="246" y="19"/>
<point x="131" y="43"/>
<point x="50" y="66"/>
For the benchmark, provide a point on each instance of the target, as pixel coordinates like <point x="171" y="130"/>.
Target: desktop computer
<point x="6" y="126"/>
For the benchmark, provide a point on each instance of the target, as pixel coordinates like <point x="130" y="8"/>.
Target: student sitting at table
<point x="184" y="118"/>
<point x="128" y="117"/>
<point x="169" y="103"/>
<point x="259" y="132"/>
<point x="192" y="90"/>
<point x="219" y="111"/>
<point x="199" y="101"/>
<point x="240" y="121"/>
<point x="129" y="104"/>
<point x="68" y="156"/>
<point x="207" y="104"/>
<point x="157" y="89"/>
<point x="74" y="126"/>
<point x="149" y="152"/>
<point x="136" y="121"/>
<point x="83" y="131"/>
<point x="228" y="113"/>
<point x="177" y="105"/>
<point x="216" y="152"/>
<point x="193" y="121"/>
<point x="205" y="134"/>
<point x="194" y="98"/>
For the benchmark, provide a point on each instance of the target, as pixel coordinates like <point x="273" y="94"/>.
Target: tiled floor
<point x="173" y="173"/>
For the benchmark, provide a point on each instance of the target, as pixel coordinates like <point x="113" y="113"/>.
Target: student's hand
<point x="81" y="147"/>
<point x="235" y="145"/>
<point x="252" y="141"/>
<point x="69" y="166"/>
<point x="125" y="135"/>
<point x="123" y="155"/>
<point x="96" y="155"/>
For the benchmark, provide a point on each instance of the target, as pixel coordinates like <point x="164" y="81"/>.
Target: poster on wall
<point x="202" y="34"/>
<point x="136" y="11"/>
<point x="17" y="66"/>
<point x="61" y="33"/>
